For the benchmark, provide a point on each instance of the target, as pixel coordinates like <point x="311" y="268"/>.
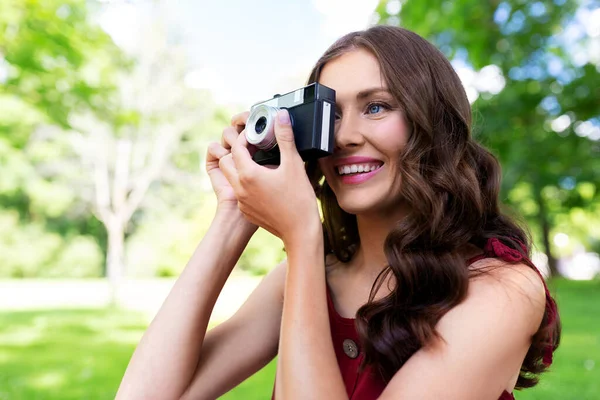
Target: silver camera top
<point x="260" y="128"/>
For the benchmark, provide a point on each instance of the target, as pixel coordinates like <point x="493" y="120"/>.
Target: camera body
<point x="312" y="114"/>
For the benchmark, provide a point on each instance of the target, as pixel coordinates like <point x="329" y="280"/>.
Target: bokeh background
<point x="106" y="110"/>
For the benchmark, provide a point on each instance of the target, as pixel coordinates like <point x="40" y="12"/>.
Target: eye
<point x="375" y="108"/>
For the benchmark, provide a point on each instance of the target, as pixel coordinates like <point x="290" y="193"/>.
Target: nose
<point x="348" y="134"/>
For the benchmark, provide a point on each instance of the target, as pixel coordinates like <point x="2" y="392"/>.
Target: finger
<point x="285" y="137"/>
<point x="216" y="151"/>
<point x="238" y="121"/>
<point x="229" y="137"/>
<point x="242" y="156"/>
<point x="228" y="167"/>
<point x="252" y="149"/>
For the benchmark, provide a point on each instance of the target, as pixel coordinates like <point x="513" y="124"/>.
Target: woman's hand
<point x="278" y="198"/>
<point x="216" y="151"/>
<point x="226" y="200"/>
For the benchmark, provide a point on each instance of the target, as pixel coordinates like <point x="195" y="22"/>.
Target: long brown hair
<point x="452" y="184"/>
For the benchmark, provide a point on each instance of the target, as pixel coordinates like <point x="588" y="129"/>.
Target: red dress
<point x="367" y="385"/>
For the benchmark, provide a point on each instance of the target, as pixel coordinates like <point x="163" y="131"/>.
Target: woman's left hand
<point x="280" y="198"/>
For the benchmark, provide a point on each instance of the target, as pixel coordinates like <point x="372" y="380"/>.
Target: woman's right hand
<point x="226" y="200"/>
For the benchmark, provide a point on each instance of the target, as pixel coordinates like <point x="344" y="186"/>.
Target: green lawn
<point x="82" y="354"/>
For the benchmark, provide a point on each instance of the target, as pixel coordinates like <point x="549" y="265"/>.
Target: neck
<point x="373" y="230"/>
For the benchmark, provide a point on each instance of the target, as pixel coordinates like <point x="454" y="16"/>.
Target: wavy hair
<point x="452" y="185"/>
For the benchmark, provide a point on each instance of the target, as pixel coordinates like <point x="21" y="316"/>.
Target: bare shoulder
<point x="516" y="286"/>
<point x="519" y="278"/>
<point x="484" y="339"/>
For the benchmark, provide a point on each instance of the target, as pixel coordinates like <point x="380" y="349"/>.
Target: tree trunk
<point x="545" y="225"/>
<point x="114" y="259"/>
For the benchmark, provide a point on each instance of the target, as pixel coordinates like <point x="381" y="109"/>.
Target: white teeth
<point x="357" y="168"/>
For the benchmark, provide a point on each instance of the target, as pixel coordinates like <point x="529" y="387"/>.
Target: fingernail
<point x="283" y="117"/>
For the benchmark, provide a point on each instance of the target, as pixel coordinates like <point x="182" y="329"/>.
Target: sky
<point x="245" y="51"/>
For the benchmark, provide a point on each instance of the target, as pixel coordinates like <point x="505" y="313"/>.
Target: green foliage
<point x="57" y="60"/>
<point x="165" y="240"/>
<point x="262" y="254"/>
<point x="32" y="251"/>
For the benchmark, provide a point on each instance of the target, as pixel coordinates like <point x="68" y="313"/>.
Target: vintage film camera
<point x="312" y="113"/>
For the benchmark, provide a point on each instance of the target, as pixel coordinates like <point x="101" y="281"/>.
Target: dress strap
<point x="476" y="258"/>
<point x="495" y="248"/>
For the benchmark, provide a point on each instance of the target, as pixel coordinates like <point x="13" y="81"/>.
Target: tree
<point x="53" y="61"/>
<point x="124" y="156"/>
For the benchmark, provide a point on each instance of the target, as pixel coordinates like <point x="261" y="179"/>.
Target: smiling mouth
<point x="356" y="169"/>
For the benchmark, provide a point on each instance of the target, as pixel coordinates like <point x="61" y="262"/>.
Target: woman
<point x="415" y="286"/>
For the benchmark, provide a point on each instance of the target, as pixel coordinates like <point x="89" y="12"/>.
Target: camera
<point x="312" y="114"/>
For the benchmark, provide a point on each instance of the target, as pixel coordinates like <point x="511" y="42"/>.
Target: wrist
<point x="231" y="213"/>
<point x="305" y="248"/>
<point x="234" y="223"/>
<point x="311" y="232"/>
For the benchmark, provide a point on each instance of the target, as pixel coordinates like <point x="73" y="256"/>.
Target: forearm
<point x="308" y="366"/>
<point x="165" y="360"/>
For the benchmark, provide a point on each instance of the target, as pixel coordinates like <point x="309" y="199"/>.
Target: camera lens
<point x="261" y="124"/>
<point x="260" y="132"/>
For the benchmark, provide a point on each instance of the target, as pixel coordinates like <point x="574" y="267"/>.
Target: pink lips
<point x="358" y="178"/>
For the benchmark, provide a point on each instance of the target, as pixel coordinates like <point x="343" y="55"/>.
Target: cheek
<point x="390" y="135"/>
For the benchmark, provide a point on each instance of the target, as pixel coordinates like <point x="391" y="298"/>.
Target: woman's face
<point x="370" y="133"/>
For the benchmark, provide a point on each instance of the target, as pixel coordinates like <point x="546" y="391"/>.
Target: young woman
<point x="415" y="285"/>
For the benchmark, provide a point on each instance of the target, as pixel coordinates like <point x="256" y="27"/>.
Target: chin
<point x="360" y="205"/>
<point x="386" y="205"/>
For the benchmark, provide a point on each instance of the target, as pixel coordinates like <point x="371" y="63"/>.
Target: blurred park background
<point x="106" y="109"/>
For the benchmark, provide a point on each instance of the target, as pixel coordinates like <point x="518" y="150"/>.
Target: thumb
<point x="285" y="135"/>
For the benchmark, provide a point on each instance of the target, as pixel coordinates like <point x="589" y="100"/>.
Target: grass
<point x="575" y="373"/>
<point x="82" y="354"/>
<point x="65" y="354"/>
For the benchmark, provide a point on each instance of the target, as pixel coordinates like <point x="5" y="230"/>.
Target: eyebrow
<point x="368" y="92"/>
<point x="363" y="94"/>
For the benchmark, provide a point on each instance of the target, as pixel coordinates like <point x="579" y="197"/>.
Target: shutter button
<point x="350" y="348"/>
